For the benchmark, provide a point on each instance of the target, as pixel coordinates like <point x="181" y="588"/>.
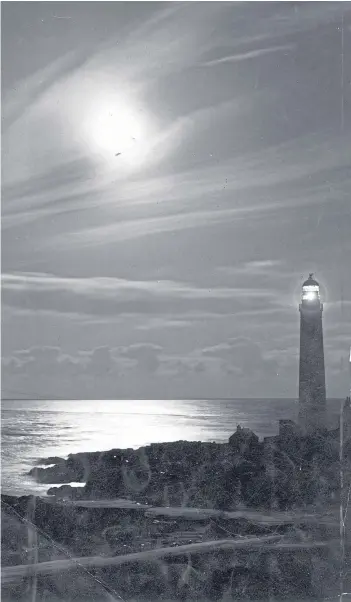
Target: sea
<point x="32" y="430"/>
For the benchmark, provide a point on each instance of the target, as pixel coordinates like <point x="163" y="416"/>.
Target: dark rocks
<point x="65" y="492"/>
<point x="286" y="471"/>
<point x="59" y="473"/>
<point x="50" y="460"/>
<point x="223" y="574"/>
<point x="283" y="472"/>
<point x="74" y="469"/>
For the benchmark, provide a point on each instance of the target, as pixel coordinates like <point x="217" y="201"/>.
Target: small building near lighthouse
<point x="312" y="392"/>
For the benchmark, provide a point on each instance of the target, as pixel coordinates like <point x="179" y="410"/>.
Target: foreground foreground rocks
<point x="213" y="556"/>
<point x="183" y="521"/>
<point x="282" y="472"/>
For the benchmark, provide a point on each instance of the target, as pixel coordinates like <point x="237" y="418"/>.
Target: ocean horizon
<point x="32" y="430"/>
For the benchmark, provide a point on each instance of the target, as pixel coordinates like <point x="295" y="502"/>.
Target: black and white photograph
<point x="175" y="301"/>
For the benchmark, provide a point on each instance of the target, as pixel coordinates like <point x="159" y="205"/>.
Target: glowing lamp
<point x="310" y="290"/>
<point x="310" y="293"/>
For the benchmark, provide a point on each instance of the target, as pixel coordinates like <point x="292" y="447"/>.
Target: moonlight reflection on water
<point x="34" y="430"/>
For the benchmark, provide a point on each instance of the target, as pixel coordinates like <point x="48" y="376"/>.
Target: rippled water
<point x="35" y="429"/>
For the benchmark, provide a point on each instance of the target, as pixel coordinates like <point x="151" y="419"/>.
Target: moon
<point x="116" y="132"/>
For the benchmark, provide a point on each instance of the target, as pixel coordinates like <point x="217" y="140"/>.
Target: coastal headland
<point x="183" y="521"/>
<point x="282" y="472"/>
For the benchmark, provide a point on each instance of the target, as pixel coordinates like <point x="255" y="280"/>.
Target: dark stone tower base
<point x="312" y="393"/>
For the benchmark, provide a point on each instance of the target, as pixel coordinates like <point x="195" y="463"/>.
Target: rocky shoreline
<point x="182" y="521"/>
<point x="183" y="556"/>
<point x="281" y="472"/>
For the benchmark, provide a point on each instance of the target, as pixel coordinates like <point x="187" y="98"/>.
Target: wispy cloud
<point x="113" y="296"/>
<point x="241" y="159"/>
<point x="303" y="171"/>
<point x="251" y="54"/>
<point x="156" y="49"/>
<point x="139" y="228"/>
<point x="110" y="286"/>
<point x="20" y="100"/>
<point x="36" y="167"/>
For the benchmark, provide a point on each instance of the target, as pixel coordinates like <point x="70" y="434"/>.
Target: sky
<point x="171" y="173"/>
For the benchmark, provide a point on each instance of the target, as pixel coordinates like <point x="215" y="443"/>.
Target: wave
<point x="11" y="433"/>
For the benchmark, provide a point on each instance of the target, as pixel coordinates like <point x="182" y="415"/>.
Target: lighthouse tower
<point x="312" y="395"/>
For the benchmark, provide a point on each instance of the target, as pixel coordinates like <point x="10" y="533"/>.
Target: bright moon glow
<point x="116" y="131"/>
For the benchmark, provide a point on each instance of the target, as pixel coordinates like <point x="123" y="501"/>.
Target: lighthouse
<point x="312" y="394"/>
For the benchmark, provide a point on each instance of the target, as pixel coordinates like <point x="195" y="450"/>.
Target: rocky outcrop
<point x="301" y="571"/>
<point x="282" y="472"/>
<point x="75" y="469"/>
<point x="65" y="492"/>
<point x="50" y="460"/>
<point x="288" y="471"/>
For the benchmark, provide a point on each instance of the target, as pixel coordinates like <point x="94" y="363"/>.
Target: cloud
<point x="235" y="366"/>
<point x="166" y="323"/>
<point x="19" y="101"/>
<point x="254" y="269"/>
<point x="145" y="354"/>
<point x="100" y="362"/>
<point x="29" y="92"/>
<point x="111" y="296"/>
<point x="57" y="98"/>
<point x="55" y="185"/>
<point x="106" y="372"/>
<point x="183" y="366"/>
<point x="246" y="165"/>
<point x="29" y="281"/>
<point x="50" y="372"/>
<point x="157" y="49"/>
<point x="160" y="46"/>
<point x="287" y="177"/>
<point x="40" y="372"/>
<point x="244" y="356"/>
<point x="37" y="189"/>
<point x="243" y="56"/>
